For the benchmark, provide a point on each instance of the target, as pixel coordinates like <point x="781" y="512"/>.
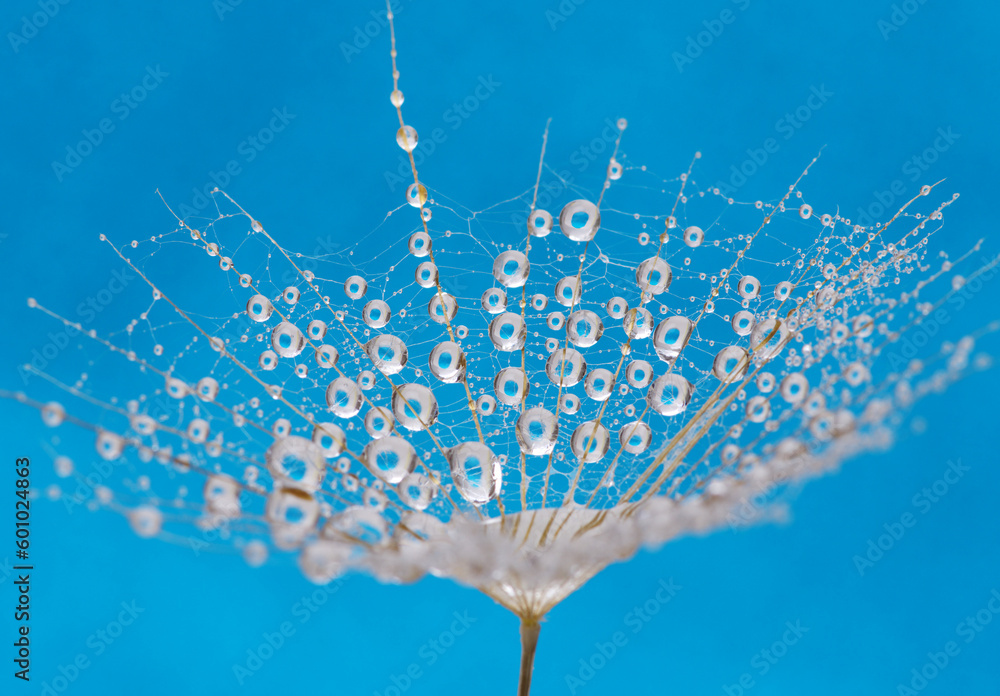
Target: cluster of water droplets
<point x="500" y="362"/>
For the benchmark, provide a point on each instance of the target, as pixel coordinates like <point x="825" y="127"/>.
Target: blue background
<point x="325" y="173"/>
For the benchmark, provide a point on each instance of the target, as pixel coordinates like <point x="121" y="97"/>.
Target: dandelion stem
<point x="529" y="641"/>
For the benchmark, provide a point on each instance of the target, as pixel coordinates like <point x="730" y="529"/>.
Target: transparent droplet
<point x="388" y="352"/>
<point x="580" y="220"/>
<point x="376" y="314"/>
<point x="616" y="307"/>
<point x="296" y="462"/>
<point x="406" y="138"/>
<point x="419" y="244"/>
<point x="748" y="287"/>
<point x="584" y="328"/>
<point x="639" y="374"/>
<point x="507" y="332"/>
<point x="653" y="275"/>
<point x="259" y="308"/>
<point x="53" y="414"/>
<point x="599" y="384"/>
<point x="326" y="356"/>
<point x="416" y="195"/>
<point x="537" y="432"/>
<point x="414" y="406"/>
<point x="742" y="323"/>
<point x="694" y="236"/>
<point x="355" y="287"/>
<point x="316" y="330"/>
<point x="635" y="437"/>
<point x="379" y="422"/>
<point x="510" y="386"/>
<point x="476" y="472"/>
<point x="447" y="362"/>
<point x="426" y="275"/>
<point x="539" y="223"/>
<point x="390" y="458"/>
<point x="416" y="491"/>
<point x="442" y="308"/>
<point x="566" y="367"/>
<point x="590" y="441"/>
<point x="287" y="340"/>
<point x="568" y="291"/>
<point x="730" y="363"/>
<point x="671" y="336"/>
<point x="494" y="300"/>
<point x="343" y="396"/>
<point x="511" y="269"/>
<point x="669" y="394"/>
<point x="146" y="520"/>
